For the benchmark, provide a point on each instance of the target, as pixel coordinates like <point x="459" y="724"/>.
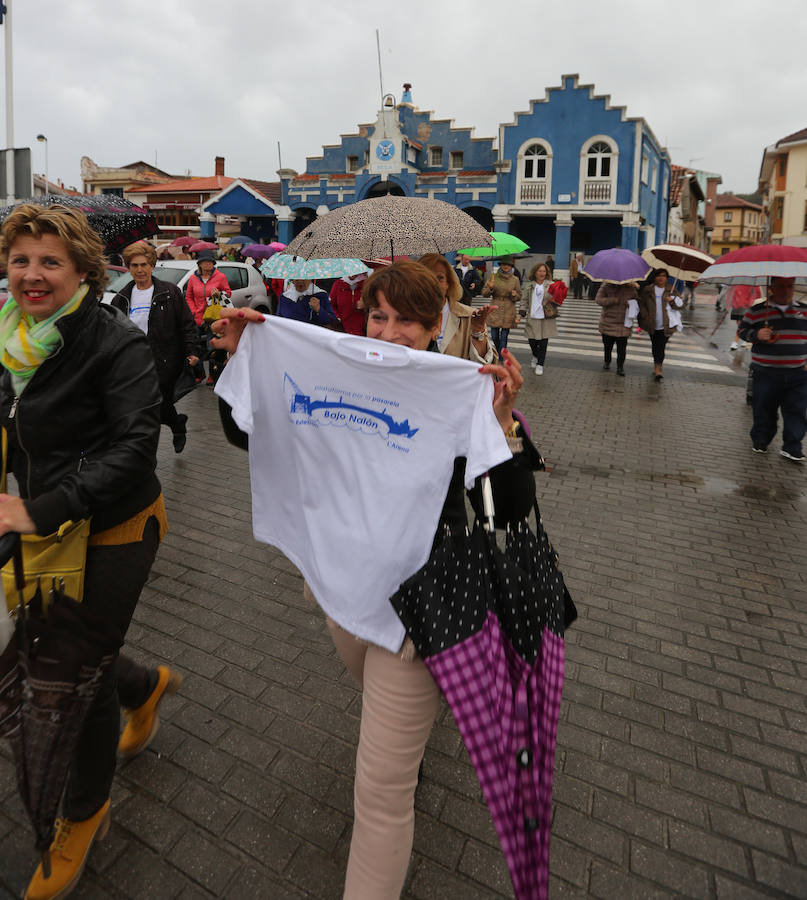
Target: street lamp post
<point x="43" y="139"/>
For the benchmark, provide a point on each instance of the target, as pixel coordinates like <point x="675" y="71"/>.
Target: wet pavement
<point x="682" y="748"/>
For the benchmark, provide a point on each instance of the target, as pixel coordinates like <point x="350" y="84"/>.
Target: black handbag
<point x="185" y="383"/>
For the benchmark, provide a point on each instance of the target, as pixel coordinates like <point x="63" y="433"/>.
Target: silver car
<point x="247" y="286"/>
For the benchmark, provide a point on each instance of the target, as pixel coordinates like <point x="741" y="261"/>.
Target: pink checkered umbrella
<point x="489" y="627"/>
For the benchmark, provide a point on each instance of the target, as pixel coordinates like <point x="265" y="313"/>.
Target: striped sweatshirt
<point x="789" y="349"/>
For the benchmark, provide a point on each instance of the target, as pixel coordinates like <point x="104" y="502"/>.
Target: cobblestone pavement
<point x="682" y="748"/>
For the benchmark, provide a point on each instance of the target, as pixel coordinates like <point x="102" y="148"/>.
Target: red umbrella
<point x="203" y="245"/>
<point x="185" y="241"/>
<point x="742" y="296"/>
<point x="757" y="264"/>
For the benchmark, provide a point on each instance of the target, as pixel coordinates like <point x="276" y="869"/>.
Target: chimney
<point x="220" y="165"/>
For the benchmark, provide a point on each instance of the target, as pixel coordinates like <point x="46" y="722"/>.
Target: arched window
<point x="534" y="162"/>
<point x="599" y="160"/>
<point x="534" y="171"/>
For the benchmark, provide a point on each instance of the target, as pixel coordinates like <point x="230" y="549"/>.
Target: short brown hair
<point x="411" y="290"/>
<point x="81" y="242"/>
<point x="434" y="261"/>
<point x="140" y="248"/>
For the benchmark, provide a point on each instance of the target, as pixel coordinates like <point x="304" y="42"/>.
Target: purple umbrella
<point x="616" y="266"/>
<point x="258" y="251"/>
<point x="493" y="642"/>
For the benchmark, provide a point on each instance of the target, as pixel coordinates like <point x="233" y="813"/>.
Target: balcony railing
<point x="597" y="190"/>
<point x="533" y="190"/>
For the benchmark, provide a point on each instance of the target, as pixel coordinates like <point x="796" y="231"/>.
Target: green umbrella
<point x="504" y="244"/>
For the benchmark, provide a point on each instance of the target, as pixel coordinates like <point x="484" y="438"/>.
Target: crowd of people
<point x="86" y="387"/>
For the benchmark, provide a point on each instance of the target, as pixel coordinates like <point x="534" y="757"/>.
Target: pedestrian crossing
<point x="578" y="337"/>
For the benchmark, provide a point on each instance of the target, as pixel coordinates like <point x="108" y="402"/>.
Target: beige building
<point x="783" y="182"/>
<point x="118" y="180"/>
<point x="738" y="223"/>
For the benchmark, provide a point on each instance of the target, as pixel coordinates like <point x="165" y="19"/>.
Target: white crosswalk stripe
<point x="578" y="336"/>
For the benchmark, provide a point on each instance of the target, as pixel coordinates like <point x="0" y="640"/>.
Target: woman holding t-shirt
<point x="400" y="699"/>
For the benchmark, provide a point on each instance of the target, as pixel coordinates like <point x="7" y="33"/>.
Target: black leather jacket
<point x="171" y="330"/>
<point x="83" y="435"/>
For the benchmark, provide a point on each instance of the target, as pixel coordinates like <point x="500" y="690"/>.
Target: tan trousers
<point x="399" y="705"/>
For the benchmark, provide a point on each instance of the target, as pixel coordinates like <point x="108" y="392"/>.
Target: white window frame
<point x="522" y="182"/>
<point x="433" y="152"/>
<point x="352" y="163"/>
<point x="727" y="216"/>
<point x="610" y="179"/>
<point x="645" y="169"/>
<point x="453" y="162"/>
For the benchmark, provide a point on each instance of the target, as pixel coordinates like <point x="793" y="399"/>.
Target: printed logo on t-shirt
<point x="362" y="412"/>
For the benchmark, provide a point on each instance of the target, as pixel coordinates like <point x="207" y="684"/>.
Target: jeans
<point x="113" y="579"/>
<point x="776" y="389"/>
<point x="608" y="342"/>
<point x="538" y="349"/>
<point x="399" y="704"/>
<point x="658" y="341"/>
<point x="499" y="338"/>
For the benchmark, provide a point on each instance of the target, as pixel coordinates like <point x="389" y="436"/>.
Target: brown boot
<point x="68" y="855"/>
<point x="144" y="721"/>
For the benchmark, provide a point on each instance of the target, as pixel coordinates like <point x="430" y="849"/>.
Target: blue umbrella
<point x="282" y="265"/>
<point x="241" y="239"/>
<point x="616" y="266"/>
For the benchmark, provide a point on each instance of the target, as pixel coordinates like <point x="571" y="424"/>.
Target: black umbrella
<point x="45" y="694"/>
<point x="489" y="627"/>
<point x="117" y="221"/>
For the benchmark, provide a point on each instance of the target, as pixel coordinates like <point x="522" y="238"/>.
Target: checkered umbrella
<point x="389" y="226"/>
<point x="489" y="627"/>
<point x="117" y="221"/>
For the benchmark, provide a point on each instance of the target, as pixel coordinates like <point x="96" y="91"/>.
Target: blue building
<point x="572" y="173"/>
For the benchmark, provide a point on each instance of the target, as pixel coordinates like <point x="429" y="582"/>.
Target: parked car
<point x="3" y="290"/>
<point x="247" y="286"/>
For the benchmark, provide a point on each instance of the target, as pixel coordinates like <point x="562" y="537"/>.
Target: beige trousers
<point x="399" y="705"/>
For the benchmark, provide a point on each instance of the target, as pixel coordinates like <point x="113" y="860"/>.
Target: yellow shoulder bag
<point x="61" y="555"/>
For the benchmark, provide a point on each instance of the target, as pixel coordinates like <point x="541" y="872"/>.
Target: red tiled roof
<point x="340" y="175"/>
<point x="196" y="185"/>
<point x="305" y="177"/>
<point x="473" y="172"/>
<point x="725" y="201"/>
<point x="413" y="143"/>
<point x="432" y="174"/>
<point x="269" y="189"/>
<point x="792" y="138"/>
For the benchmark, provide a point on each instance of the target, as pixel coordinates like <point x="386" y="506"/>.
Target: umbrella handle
<point x="488" y="508"/>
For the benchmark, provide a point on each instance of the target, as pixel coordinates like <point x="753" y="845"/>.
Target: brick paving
<point x="682" y="747"/>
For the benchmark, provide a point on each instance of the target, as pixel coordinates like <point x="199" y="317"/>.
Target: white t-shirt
<point x="351" y="451"/>
<point x="659" y="307"/>
<point x="537" y="305"/>
<point x="140" y="306"/>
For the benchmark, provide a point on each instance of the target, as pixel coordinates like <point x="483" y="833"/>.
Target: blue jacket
<point x="301" y="311"/>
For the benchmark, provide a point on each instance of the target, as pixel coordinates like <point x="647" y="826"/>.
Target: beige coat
<point x="504" y="292"/>
<point x="457" y="336"/>
<point x="647" y="308"/>
<point x="539" y="329"/>
<point x="613" y="298"/>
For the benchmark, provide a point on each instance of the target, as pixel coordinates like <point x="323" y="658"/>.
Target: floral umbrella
<point x="281" y="265"/>
<point x="389" y="226"/>
<point x="117" y="221"/>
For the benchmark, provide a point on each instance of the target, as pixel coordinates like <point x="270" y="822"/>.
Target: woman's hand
<point x="229" y="328"/>
<point x="314" y="304"/>
<point x="506" y="387"/>
<point x="14" y="516"/>
<point x="479" y="317"/>
<point x="193" y="361"/>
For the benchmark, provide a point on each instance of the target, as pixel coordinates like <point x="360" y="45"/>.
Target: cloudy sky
<point x="185" y="80"/>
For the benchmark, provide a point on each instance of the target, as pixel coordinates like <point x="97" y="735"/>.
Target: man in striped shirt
<point x="777" y="330"/>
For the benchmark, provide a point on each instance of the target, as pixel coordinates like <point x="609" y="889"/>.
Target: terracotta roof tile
<point x="212" y="184"/>
<point x="474" y="172"/>
<point x="725" y="201"/>
<point x="792" y="138"/>
<point x="306" y="177"/>
<point x="268" y="189"/>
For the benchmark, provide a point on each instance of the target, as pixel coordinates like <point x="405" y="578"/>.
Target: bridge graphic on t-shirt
<point x="338" y="412"/>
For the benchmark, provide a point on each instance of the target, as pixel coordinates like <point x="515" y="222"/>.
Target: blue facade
<point x="572" y="173"/>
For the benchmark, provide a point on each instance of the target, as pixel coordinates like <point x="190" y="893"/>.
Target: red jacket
<point x="198" y="292"/>
<point x="344" y="300"/>
<point x="558" y="292"/>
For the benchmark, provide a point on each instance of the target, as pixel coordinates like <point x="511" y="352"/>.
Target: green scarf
<point x="26" y="343"/>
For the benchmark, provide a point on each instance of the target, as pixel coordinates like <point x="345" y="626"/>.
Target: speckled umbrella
<point x="117" y="221"/>
<point x="489" y="627"/>
<point x="389" y="226"/>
